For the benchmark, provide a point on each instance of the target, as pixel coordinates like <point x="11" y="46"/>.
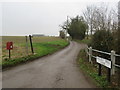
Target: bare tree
<point x="88" y="15"/>
<point x="100" y="18"/>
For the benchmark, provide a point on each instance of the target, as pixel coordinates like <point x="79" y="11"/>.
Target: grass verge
<point x="41" y="49"/>
<point x="85" y="41"/>
<point x="91" y="70"/>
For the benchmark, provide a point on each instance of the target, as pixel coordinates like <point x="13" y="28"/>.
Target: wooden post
<point x="109" y="75"/>
<point x="86" y="51"/>
<point x="9" y="54"/>
<point x="113" y="62"/>
<point x="90" y="54"/>
<point x="99" y="69"/>
<point x="26" y="44"/>
<point x="31" y="44"/>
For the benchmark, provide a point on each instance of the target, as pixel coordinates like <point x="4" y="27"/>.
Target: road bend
<point x="58" y="70"/>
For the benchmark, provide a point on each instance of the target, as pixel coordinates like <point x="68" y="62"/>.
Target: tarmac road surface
<point x="58" y="70"/>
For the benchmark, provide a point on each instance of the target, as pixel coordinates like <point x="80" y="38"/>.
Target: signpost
<point x="105" y="62"/>
<point x="9" y="46"/>
<point x="110" y="64"/>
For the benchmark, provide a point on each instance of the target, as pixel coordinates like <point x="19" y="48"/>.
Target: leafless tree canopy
<point x="101" y="18"/>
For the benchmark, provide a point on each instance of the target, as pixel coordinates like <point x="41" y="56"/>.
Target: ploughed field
<point x="42" y="46"/>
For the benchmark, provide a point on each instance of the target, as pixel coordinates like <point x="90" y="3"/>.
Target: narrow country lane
<point x="58" y="70"/>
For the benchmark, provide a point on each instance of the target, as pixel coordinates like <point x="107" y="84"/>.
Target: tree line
<point x="98" y="23"/>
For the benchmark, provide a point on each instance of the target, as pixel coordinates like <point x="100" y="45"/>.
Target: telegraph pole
<point x="119" y="15"/>
<point x="118" y="34"/>
<point x="67" y="29"/>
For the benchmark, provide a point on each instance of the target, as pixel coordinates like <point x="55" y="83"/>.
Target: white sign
<point x="104" y="62"/>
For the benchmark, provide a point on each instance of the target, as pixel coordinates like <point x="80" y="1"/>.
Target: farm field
<point x="41" y="45"/>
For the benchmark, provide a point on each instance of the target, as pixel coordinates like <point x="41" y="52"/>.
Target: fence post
<point x="113" y="61"/>
<point x="26" y="44"/>
<point x="99" y="70"/>
<point x="90" y="54"/>
<point x="109" y="75"/>
<point x="86" y="51"/>
<point x="30" y="37"/>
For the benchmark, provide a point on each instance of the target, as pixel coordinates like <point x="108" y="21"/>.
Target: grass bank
<point x="40" y="49"/>
<point x="92" y="70"/>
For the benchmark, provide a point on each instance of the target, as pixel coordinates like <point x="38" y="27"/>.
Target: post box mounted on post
<point x="9" y="46"/>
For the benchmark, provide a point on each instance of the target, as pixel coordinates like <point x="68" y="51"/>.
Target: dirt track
<point x="54" y="71"/>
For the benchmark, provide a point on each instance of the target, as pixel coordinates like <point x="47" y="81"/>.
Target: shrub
<point x="102" y="40"/>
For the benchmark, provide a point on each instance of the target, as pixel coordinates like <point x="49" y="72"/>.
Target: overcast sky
<point x="18" y="17"/>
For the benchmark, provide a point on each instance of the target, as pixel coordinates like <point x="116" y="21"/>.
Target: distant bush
<point x="62" y="34"/>
<point x="102" y="40"/>
<point x="77" y="28"/>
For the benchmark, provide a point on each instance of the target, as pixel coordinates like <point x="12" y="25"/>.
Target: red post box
<point x="9" y="45"/>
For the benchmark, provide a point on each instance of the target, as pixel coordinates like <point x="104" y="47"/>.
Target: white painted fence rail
<point x="113" y="56"/>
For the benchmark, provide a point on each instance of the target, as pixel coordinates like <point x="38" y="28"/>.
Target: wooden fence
<point x="110" y="64"/>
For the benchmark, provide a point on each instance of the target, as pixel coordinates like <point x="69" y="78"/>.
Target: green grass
<point x="48" y="47"/>
<point x="91" y="70"/>
<point x="19" y="45"/>
<point x="42" y="46"/>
